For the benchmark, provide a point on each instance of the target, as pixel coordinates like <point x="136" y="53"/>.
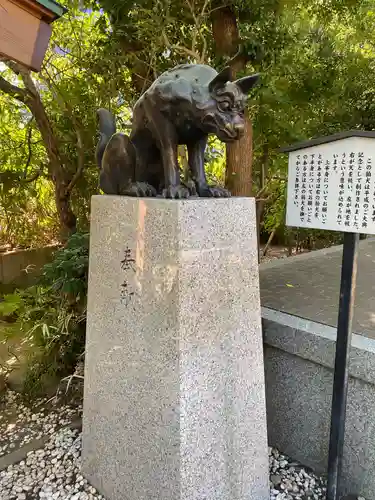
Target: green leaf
<point x="11" y="304"/>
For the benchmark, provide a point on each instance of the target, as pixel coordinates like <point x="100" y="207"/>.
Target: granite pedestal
<point x="174" y="404"/>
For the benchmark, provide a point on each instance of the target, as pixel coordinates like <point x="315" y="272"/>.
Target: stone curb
<point x="316" y="342"/>
<point x="18" y="455"/>
<point x="264" y="266"/>
<point x="353" y="497"/>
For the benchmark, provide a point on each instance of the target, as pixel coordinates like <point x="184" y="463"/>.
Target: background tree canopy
<point x="316" y="61"/>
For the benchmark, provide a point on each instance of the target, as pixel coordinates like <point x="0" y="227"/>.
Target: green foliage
<point x="11" y="304"/>
<point x="159" y="34"/>
<point x="319" y="82"/>
<point x="56" y="309"/>
<point x="215" y="162"/>
<point x="316" y="61"/>
<point x="77" y="78"/>
<point x="67" y="273"/>
<point x="275" y="213"/>
<point x="26" y="208"/>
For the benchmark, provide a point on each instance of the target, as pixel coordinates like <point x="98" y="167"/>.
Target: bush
<point x="53" y="314"/>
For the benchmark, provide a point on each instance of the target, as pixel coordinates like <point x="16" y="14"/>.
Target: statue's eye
<point x="225" y="105"/>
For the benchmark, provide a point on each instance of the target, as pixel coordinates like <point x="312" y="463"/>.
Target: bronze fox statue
<point x="183" y="106"/>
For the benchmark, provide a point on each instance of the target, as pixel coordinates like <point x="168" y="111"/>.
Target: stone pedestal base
<point x="174" y="402"/>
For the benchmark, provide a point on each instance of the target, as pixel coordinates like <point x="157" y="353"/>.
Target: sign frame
<point x="331" y="183"/>
<point x="344" y="323"/>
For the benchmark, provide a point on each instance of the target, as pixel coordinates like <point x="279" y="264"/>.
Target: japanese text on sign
<point x="332" y="186"/>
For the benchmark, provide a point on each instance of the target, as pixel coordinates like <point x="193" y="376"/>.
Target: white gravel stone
<point x="291" y="481"/>
<point x="60" y="476"/>
<point x="19" y="424"/>
<point x="51" y="481"/>
<point x="54" y="472"/>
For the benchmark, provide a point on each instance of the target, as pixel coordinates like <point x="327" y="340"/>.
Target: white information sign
<point x="332" y="186"/>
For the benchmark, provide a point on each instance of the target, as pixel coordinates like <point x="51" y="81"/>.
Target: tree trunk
<point x="262" y="187"/>
<point x="62" y="180"/>
<point x="238" y="174"/>
<point x="289" y="244"/>
<point x="259" y="214"/>
<point x="67" y="219"/>
<point x="238" y="178"/>
<point x="60" y="177"/>
<point x="268" y="244"/>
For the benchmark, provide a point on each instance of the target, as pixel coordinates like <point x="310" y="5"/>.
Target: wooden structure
<point x="25" y="29"/>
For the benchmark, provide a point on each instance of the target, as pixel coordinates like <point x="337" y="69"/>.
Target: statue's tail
<point x="107" y="127"/>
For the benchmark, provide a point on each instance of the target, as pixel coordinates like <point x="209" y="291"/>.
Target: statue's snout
<point x="239" y="127"/>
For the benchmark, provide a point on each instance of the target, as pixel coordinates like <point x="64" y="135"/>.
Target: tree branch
<point x="25" y="75"/>
<point x="13" y="90"/>
<point x="34" y="103"/>
<point x="266" y="186"/>
<point x="180" y="48"/>
<point x="77" y="128"/>
<point x="81" y="162"/>
<point x="29" y="154"/>
<point x="33" y="177"/>
<point x="14" y="177"/>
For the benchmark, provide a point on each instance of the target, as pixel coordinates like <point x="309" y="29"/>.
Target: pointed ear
<point x="220" y="79"/>
<point x="247" y="82"/>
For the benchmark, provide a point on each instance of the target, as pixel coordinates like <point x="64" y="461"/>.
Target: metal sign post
<point x="331" y="186"/>
<point x="343" y="343"/>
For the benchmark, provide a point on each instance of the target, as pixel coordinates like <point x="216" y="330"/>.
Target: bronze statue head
<point x="224" y="112"/>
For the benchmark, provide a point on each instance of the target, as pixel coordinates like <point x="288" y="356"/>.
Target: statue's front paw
<point x="218" y="192"/>
<point x="190" y="185"/>
<point x="141" y="190"/>
<point x="175" y="192"/>
<point x="213" y="192"/>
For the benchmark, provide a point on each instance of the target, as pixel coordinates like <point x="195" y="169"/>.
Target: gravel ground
<point x="291" y="481"/>
<point x="54" y="471"/>
<point x="20" y="424"/>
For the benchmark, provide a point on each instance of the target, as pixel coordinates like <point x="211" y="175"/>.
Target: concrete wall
<point x="22" y="267"/>
<point x="299" y="356"/>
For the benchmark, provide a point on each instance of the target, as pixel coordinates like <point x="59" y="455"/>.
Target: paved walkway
<point x="308" y="286"/>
